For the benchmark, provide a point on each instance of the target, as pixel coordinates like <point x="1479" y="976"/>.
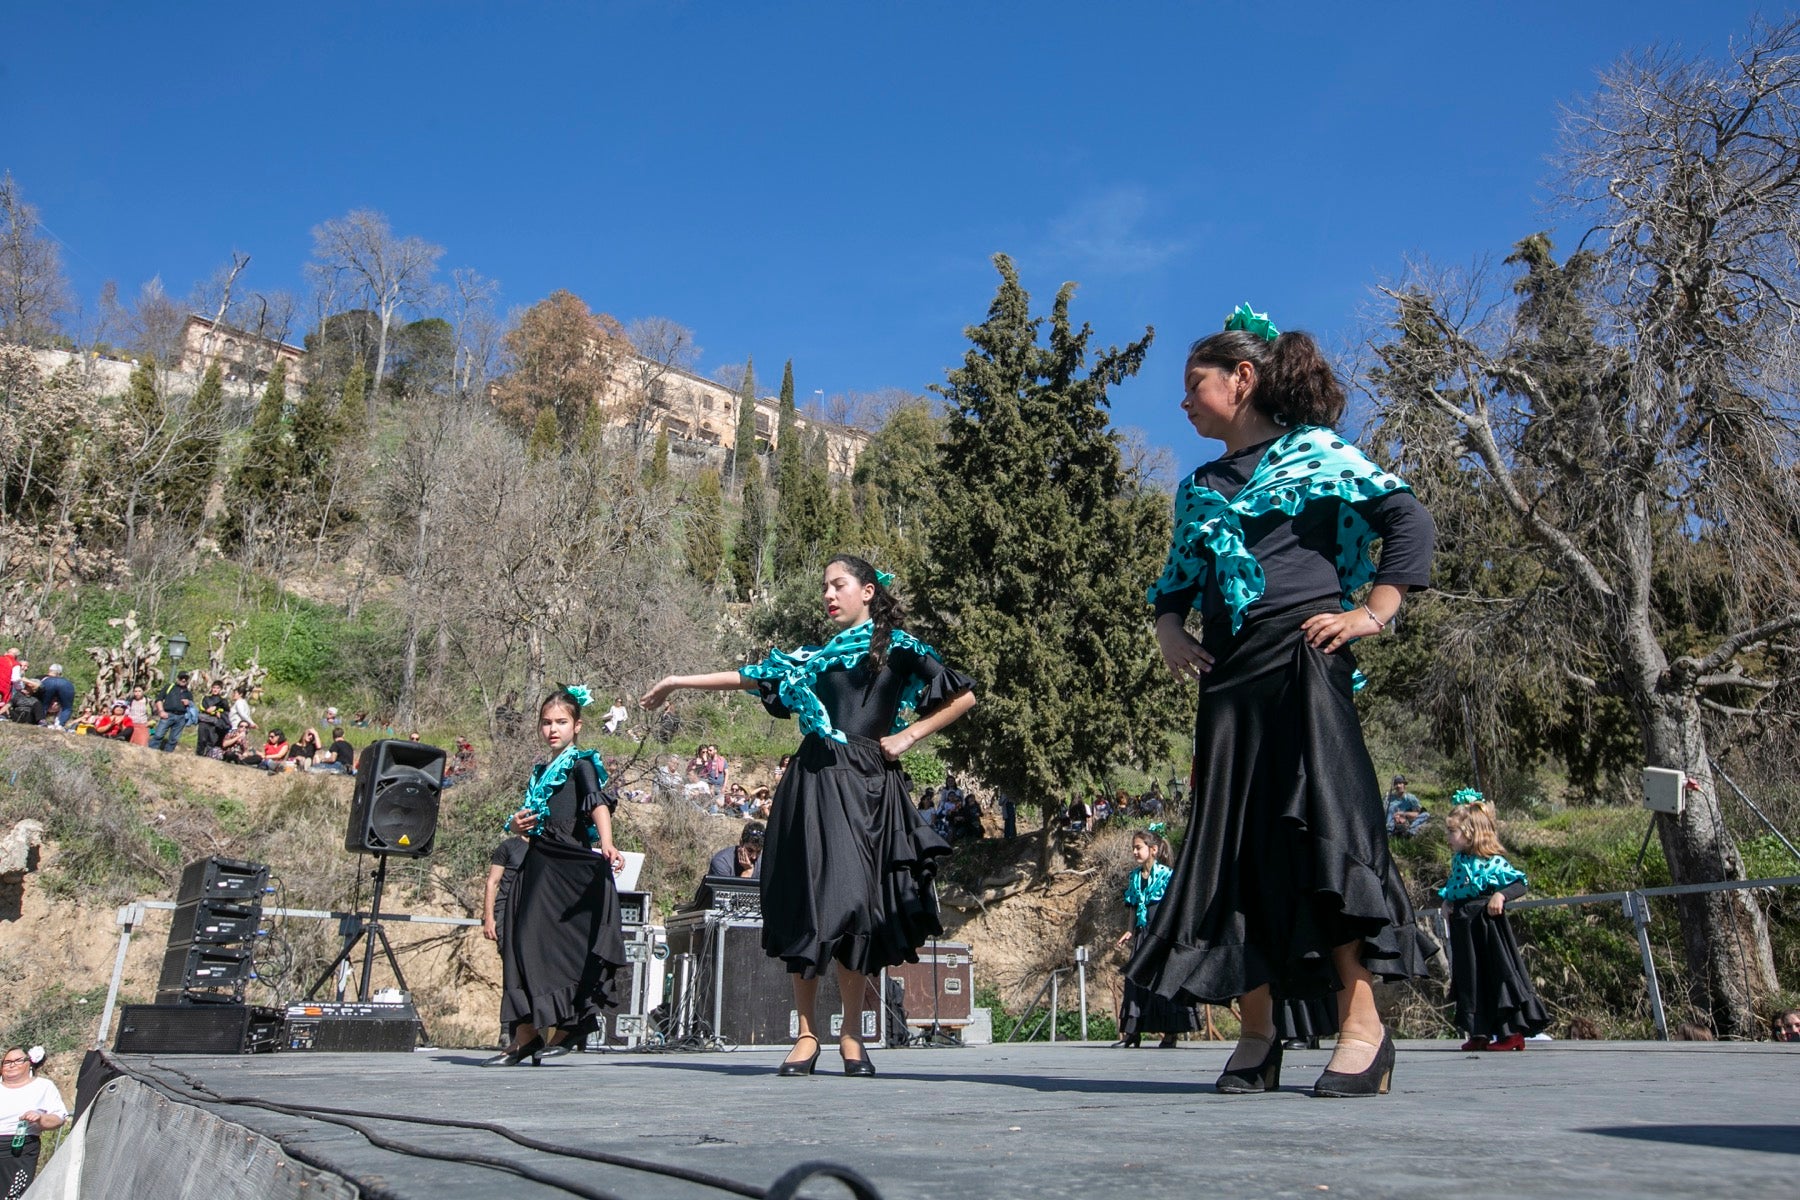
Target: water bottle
<point x="19" y="1134"/>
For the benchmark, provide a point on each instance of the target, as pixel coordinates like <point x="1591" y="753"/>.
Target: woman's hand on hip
<point x="1185" y="657"/>
<point x="1330" y="631"/>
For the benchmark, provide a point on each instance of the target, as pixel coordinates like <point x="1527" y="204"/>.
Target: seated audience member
<point x="737" y="801"/>
<point x="461" y="766"/>
<point x="86" y="720"/>
<point x="25" y="708"/>
<point x="115" y="724"/>
<point x="666" y="784"/>
<point x="339" y="757"/>
<point x="743" y="860"/>
<point x="275" y="752"/>
<point x="361" y="720"/>
<point x="1076" y="819"/>
<point x="965" y="822"/>
<point x="1406" y="817"/>
<point x="236" y="747"/>
<point x="616" y="716"/>
<point x="760" y="801"/>
<point x="1786" y="1026"/>
<point x="305" y="751"/>
<point x="214" y="720"/>
<point x="1103" y="810"/>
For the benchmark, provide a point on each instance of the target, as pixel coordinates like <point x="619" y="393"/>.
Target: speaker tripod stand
<point x="368" y="931"/>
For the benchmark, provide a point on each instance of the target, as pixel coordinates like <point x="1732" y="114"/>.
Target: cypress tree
<point x="785" y="420"/>
<point x="194" y="460"/>
<point x="706" y="531"/>
<point x="546" y="436"/>
<point x="743" y="448"/>
<point x="1040" y="550"/>
<point x="265" y="474"/>
<point x="657" y="472"/>
<point x="752" y="533"/>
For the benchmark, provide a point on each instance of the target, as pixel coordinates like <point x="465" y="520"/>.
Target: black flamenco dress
<point x="563" y="948"/>
<point x="1488" y="979"/>
<point x="1286" y="853"/>
<point x="1142" y="1010"/>
<point x="847" y="860"/>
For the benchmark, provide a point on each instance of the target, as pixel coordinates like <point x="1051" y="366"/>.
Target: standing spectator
<point x="715" y="771"/>
<point x="57" y="695"/>
<point x="171" y="714"/>
<point x="240" y="709"/>
<point x="1009" y="814"/>
<point x="215" y="721"/>
<point x="9" y="664"/>
<point x="139" y="708"/>
<point x="1078" y="816"/>
<point x="29" y="1106"/>
<point x="115" y="724"/>
<point x="1405" y="815"/>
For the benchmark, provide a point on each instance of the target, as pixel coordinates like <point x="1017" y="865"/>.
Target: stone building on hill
<point x="245" y="357"/>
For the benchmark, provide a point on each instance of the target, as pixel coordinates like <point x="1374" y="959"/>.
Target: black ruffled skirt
<point x="564" y="949"/>
<point x="847" y="862"/>
<point x="1143" y="1011"/>
<point x="1286" y="852"/>
<point x="1493" y="992"/>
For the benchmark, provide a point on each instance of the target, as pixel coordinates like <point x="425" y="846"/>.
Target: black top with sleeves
<point x="1298" y="554"/>
<point x="864" y="704"/>
<point x="572" y="805"/>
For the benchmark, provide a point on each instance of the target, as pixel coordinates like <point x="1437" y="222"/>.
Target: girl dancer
<point x="561" y="946"/>
<point x="1488" y="978"/>
<point x="1285" y="883"/>
<point x="848" y="861"/>
<point x="1144" y="887"/>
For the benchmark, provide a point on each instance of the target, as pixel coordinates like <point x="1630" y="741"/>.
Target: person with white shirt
<point x="28" y="1106"/>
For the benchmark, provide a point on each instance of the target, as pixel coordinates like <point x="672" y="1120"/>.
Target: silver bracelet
<point x="1379" y="623"/>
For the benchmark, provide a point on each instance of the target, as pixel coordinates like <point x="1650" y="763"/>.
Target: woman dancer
<point x="1285" y="882"/>
<point x="562" y="945"/>
<point x="1494" y="996"/>
<point x="1144" y="887"/>
<point x="848" y="861"/>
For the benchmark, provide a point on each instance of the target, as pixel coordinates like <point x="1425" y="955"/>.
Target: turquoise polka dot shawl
<point x="1310" y="462"/>
<point x="795" y="674"/>
<point x="1471" y="877"/>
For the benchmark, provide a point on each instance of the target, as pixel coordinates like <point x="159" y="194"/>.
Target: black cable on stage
<point x="784" y="1188"/>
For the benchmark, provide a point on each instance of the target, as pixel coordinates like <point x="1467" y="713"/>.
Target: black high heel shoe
<point x="1265" y="1076"/>
<point x="860" y="1066"/>
<point x="1129" y="1041"/>
<point x="1372" y="1080"/>
<point x="563" y="1044"/>
<point x="800" y="1066"/>
<point x="534" y="1050"/>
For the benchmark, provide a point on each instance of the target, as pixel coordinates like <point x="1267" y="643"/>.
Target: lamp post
<point x="178" y="645"/>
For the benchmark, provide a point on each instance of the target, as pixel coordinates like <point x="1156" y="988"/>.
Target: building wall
<point x="244" y="356"/>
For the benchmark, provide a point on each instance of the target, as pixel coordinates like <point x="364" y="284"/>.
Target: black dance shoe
<point x="1265" y="1076"/>
<point x="563" y="1044"/>
<point x="860" y="1066"/>
<point x="1372" y="1080"/>
<point x="1168" y="1042"/>
<point x="800" y="1066"/>
<point x="1127" y="1042"/>
<point x="534" y="1050"/>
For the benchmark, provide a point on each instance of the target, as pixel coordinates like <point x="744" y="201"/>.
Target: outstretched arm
<point x="716" y="681"/>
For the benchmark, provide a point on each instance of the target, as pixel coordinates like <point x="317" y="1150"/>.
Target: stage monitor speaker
<point x="190" y="967"/>
<point x="754" y="1003"/>
<point x="374" y="1027"/>
<point x="204" y="1029"/>
<point x="215" y="922"/>
<point x="223" y="879"/>
<point x="952" y="985"/>
<point x="395" y="809"/>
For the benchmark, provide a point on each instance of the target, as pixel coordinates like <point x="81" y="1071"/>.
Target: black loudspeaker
<point x="223" y="879"/>
<point x="215" y="922"/>
<point x="395" y="809"/>
<point x="197" y="1029"/>
<point x="189" y="969"/>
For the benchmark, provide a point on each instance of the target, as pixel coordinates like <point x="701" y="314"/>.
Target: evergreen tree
<point x="752" y="533"/>
<point x="706" y="531"/>
<point x="195" y="457"/>
<point x="261" y="484"/>
<point x="657" y="472"/>
<point x="546" y="436"/>
<point x="743" y="450"/>
<point x="1041" y="548"/>
<point x="786" y="417"/>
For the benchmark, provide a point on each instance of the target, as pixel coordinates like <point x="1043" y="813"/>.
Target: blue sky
<point x="825" y="181"/>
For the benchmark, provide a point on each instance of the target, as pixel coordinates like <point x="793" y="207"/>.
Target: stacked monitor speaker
<point x="395" y="809"/>
<point x="741" y="994"/>
<point x="218" y="914"/>
<point x="646" y="955"/>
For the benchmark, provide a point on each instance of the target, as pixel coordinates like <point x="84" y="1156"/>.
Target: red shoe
<point x="1477" y="1042"/>
<point x="1514" y="1042"/>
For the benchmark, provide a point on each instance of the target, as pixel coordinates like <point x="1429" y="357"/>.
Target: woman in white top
<point x="28" y="1106"/>
<point x="240" y="710"/>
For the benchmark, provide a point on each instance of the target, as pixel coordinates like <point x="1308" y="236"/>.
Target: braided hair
<point x="885" y="609"/>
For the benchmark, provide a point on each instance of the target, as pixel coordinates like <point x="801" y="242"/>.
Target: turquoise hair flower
<point x="1251" y="321"/>
<point x="884" y="578"/>
<point x="582" y="696"/>
<point x="1156" y="827"/>
<point x="1466" y="796"/>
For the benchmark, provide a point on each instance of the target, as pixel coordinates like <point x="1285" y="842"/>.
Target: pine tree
<point x="743" y="449"/>
<point x="264" y="477"/>
<point x="1040" y="551"/>
<point x="752" y="533"/>
<point x="195" y="457"/>
<point x="706" y="531"/>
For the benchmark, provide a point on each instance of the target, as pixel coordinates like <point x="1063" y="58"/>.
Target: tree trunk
<point x="534" y="666"/>
<point x="1725" y="935"/>
<point x="387" y="316"/>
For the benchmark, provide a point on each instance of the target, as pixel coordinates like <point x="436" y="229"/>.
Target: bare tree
<point x="477" y="330"/>
<point x="157" y="325"/>
<point x="34" y="294"/>
<point x="393" y="273"/>
<point x="1629" y="410"/>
